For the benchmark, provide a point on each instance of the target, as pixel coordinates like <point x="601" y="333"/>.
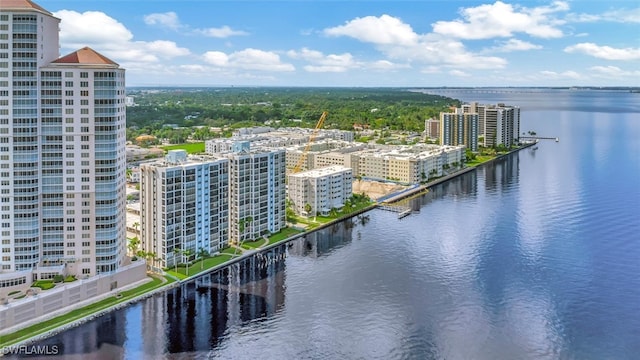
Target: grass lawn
<point x="44" y="326"/>
<point x="479" y="160"/>
<point x="44" y="284"/>
<point x="230" y="251"/>
<point x="199" y="267"/>
<point x="192" y="148"/>
<point x="283" y="234"/>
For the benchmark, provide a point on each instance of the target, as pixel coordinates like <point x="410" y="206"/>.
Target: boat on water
<point x="557" y="139"/>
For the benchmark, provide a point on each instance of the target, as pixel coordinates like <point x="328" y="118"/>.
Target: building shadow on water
<point x="197" y="316"/>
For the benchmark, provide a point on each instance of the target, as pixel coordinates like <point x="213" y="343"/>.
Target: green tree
<point x="187" y="253"/>
<point x="176" y="253"/>
<point x="202" y="254"/>
<point x="133" y="245"/>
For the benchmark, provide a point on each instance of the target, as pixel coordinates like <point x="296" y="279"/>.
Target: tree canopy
<point x="160" y="110"/>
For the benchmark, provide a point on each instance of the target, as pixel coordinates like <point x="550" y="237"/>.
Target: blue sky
<point x="360" y="43"/>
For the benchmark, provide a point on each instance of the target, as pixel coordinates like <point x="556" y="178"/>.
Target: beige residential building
<point x="62" y="129"/>
<point x="319" y="190"/>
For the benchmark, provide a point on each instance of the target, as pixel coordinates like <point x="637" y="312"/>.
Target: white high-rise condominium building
<point x="185" y="206"/>
<point x="257" y="193"/>
<point x="499" y="124"/>
<point x="319" y="190"/>
<point x="62" y="146"/>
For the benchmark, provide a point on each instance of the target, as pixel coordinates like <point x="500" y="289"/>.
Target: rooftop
<point x="329" y="170"/>
<point x="21" y="5"/>
<point x="86" y="56"/>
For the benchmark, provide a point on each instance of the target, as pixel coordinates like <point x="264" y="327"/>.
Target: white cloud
<point x="111" y="38"/>
<point x="164" y="48"/>
<point x="503" y="20"/>
<point x="324" y="63"/>
<point x="216" y="58"/>
<point x="384" y="65"/>
<point x="552" y="75"/>
<point x="459" y="73"/>
<point x="168" y="19"/>
<point x="613" y="72"/>
<point x="513" y="45"/>
<point x="399" y="42"/>
<point x="248" y="59"/>
<point x="383" y="30"/>
<point x="431" y="70"/>
<point x="221" y="32"/>
<point x="91" y="27"/>
<point x="438" y="50"/>
<point x="604" y="52"/>
<point x="319" y="62"/>
<point x="620" y="16"/>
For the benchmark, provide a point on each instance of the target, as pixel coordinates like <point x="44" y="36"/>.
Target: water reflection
<point x="199" y="313"/>
<point x="322" y="243"/>
<point x="501" y="173"/>
<point x="462" y="186"/>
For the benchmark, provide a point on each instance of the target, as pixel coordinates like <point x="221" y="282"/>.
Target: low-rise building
<point x="319" y="190"/>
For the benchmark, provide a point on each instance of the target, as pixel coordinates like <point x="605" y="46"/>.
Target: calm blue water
<point x="534" y="257"/>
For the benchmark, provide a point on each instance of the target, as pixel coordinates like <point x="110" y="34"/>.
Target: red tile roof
<point x="86" y="56"/>
<point x="21" y="4"/>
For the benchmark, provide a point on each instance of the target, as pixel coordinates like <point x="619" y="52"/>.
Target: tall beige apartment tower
<point x="62" y="152"/>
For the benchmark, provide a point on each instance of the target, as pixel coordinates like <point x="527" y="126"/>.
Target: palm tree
<point x="149" y="256"/>
<point x="202" y="254"/>
<point x="176" y="252"/>
<point x="187" y="253"/>
<point x="135" y="226"/>
<point x="133" y="245"/>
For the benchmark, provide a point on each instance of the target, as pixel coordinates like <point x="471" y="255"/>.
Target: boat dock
<point x="540" y="138"/>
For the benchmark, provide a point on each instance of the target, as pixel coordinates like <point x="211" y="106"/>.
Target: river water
<point x="536" y="256"/>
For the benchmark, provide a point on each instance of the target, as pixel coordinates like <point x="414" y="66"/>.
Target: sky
<point x="429" y="43"/>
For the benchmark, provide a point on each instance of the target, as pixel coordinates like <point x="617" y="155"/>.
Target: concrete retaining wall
<point x="23" y="311"/>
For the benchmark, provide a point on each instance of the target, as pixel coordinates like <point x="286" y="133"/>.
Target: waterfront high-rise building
<point x="257" y="192"/>
<point x="184" y="203"/>
<point x="459" y="128"/>
<point x="498" y="124"/>
<point x="62" y="146"/>
<point x="475" y="108"/>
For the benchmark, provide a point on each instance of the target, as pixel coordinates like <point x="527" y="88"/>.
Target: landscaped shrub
<point x="44" y="284"/>
<point x="70" y="278"/>
<point x="58" y="278"/>
<point x="14" y="292"/>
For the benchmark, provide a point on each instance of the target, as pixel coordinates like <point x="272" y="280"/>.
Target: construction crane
<point x="303" y="158"/>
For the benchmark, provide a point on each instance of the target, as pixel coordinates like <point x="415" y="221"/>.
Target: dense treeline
<point x="395" y="109"/>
